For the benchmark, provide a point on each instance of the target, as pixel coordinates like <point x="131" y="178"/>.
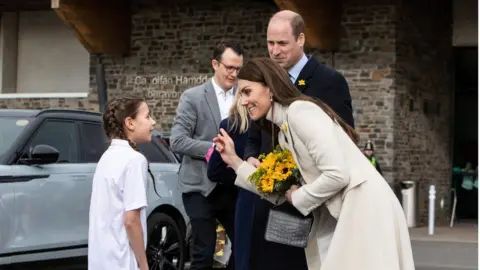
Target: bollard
<point x="409" y="202"/>
<point x="431" y="210"/>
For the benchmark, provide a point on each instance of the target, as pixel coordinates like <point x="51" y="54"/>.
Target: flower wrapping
<point x="277" y="172"/>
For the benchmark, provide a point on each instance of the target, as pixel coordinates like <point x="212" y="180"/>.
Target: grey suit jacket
<point x="194" y="127"/>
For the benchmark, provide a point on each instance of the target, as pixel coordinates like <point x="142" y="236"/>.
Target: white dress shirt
<point x="294" y="72"/>
<point x="225" y="99"/>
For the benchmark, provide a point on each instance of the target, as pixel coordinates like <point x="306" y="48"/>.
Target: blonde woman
<point x="236" y="125"/>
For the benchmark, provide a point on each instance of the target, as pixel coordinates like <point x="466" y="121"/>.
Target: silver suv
<point x="47" y="162"/>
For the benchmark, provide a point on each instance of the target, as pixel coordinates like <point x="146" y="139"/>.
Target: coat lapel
<point x="212" y="102"/>
<point x="288" y="135"/>
<point x="302" y="82"/>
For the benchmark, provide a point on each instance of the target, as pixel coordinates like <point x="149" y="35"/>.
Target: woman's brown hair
<point x="116" y="111"/>
<point x="265" y="71"/>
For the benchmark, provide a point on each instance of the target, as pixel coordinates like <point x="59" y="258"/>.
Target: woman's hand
<point x="288" y="195"/>
<point x="226" y="148"/>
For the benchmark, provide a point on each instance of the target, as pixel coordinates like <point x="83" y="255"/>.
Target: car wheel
<point x="166" y="244"/>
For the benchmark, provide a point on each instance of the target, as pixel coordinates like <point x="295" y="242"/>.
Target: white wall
<point x="49" y="57"/>
<point x="465" y="23"/>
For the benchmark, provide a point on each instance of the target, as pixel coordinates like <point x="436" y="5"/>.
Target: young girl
<point x="117" y="234"/>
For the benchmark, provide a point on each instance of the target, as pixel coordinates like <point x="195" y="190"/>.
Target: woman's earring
<point x="271" y="98"/>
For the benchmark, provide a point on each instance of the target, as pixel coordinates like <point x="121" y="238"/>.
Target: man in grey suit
<point x="199" y="113"/>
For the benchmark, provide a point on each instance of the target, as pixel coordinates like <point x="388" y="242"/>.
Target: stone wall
<point x="424" y="93"/>
<point x="90" y="103"/>
<point x="397" y="60"/>
<point x="171" y="41"/>
<point x="390" y="54"/>
<point x="366" y="58"/>
<point x="172" y="48"/>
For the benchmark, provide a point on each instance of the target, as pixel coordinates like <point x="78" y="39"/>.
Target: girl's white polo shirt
<point x="119" y="185"/>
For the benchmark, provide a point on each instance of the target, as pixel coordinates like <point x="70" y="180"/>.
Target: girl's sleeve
<point x="134" y="189"/>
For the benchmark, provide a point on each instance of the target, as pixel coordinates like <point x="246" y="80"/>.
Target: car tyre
<point x="166" y="244"/>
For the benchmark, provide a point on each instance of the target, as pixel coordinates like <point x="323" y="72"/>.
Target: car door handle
<point x="78" y="177"/>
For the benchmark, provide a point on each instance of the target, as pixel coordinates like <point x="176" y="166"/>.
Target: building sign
<point x="162" y="87"/>
<point x="170" y="80"/>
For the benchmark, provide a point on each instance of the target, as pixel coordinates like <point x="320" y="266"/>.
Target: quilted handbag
<point x="288" y="229"/>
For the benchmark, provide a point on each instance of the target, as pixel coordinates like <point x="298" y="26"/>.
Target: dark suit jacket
<point x="217" y="169"/>
<point x="321" y="82"/>
<point x="218" y="172"/>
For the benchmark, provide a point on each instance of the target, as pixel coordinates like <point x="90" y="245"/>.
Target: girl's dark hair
<point x="116" y="111"/>
<point x="265" y="71"/>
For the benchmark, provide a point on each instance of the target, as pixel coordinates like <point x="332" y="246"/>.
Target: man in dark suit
<point x="286" y="38"/>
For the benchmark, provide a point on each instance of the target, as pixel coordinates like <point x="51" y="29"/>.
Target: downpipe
<point x="431" y="209"/>
<point x="101" y="84"/>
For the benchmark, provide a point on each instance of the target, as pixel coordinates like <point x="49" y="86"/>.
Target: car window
<point x="94" y="141"/>
<point x="61" y="135"/>
<point x="165" y="148"/>
<point x="164" y="145"/>
<point x="154" y="153"/>
<point x="10" y="129"/>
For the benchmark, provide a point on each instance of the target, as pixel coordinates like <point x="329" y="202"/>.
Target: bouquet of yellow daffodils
<point x="277" y="172"/>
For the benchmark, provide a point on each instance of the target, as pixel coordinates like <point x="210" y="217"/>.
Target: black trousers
<point x="204" y="213"/>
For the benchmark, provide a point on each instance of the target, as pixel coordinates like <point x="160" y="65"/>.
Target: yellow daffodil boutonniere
<point x="284" y="127"/>
<point x="277" y="172"/>
<point x="301" y="82"/>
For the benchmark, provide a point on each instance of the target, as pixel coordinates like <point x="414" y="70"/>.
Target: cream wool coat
<point x="359" y="223"/>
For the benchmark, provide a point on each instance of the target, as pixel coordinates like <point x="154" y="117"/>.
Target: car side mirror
<point x="42" y="154"/>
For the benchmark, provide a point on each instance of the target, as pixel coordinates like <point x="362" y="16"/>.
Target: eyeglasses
<point x="230" y="69"/>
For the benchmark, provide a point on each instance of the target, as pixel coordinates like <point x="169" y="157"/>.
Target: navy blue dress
<point x="218" y="172"/>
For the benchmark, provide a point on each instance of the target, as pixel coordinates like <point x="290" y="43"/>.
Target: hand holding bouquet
<point x="277" y="172"/>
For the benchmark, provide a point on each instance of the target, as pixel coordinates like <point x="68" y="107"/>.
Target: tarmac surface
<point x="449" y="249"/>
<point x="445" y="255"/>
<point x="80" y="264"/>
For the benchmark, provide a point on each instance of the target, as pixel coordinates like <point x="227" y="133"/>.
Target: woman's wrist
<point x="236" y="162"/>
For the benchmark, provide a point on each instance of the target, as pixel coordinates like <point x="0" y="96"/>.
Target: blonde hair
<point x="239" y="115"/>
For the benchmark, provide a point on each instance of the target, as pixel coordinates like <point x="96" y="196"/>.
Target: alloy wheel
<point x="165" y="249"/>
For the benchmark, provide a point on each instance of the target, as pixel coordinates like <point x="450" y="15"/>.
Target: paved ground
<point x="445" y="255"/>
<point x="466" y="232"/>
<point x="448" y="249"/>
<point x="442" y="268"/>
<point x="70" y="264"/>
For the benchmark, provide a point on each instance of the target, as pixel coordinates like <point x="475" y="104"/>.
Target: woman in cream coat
<point x="358" y="221"/>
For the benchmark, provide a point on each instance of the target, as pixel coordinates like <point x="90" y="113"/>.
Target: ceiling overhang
<point x="103" y="27"/>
